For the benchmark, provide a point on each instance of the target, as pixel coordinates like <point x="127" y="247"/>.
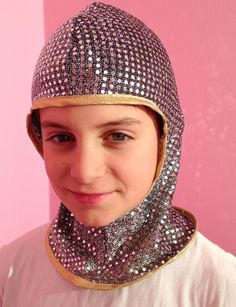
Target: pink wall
<point x="200" y="39"/>
<point x="24" y="187"/>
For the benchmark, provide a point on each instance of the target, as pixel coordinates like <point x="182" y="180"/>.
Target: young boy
<point x="107" y="121"/>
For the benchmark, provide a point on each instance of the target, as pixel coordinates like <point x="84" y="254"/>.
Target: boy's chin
<point x="97" y="220"/>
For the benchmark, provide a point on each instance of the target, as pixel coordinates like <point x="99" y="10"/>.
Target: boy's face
<point x="101" y="160"/>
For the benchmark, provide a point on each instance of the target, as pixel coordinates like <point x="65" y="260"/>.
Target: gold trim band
<point x="63" y="101"/>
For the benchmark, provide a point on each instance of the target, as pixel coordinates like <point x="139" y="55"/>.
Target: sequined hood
<point x="104" y="55"/>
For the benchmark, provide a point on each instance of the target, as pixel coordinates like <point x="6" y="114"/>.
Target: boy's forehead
<point x="97" y="115"/>
<point x="95" y="110"/>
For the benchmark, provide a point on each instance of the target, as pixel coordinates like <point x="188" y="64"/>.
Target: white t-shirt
<point x="203" y="276"/>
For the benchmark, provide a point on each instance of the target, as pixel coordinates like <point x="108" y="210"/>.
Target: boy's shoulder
<point x="25" y="270"/>
<point x="211" y="253"/>
<point x="203" y="260"/>
<point x="29" y="239"/>
<point x="208" y="257"/>
<point x="212" y="269"/>
<point x="26" y="247"/>
<point x="202" y="275"/>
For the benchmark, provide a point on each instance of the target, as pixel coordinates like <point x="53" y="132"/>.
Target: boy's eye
<point x="119" y="137"/>
<point x="61" y="138"/>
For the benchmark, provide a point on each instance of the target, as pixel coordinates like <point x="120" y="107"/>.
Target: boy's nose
<point x="87" y="163"/>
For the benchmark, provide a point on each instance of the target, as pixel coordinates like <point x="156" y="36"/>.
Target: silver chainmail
<point x="104" y="50"/>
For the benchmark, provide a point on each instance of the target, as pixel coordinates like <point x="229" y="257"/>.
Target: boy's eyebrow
<point x="127" y="121"/>
<point x="52" y="124"/>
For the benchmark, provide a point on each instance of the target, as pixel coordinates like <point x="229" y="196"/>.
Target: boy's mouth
<point x="90" y="198"/>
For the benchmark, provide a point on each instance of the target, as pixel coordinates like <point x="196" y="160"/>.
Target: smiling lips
<point x="91" y="198"/>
